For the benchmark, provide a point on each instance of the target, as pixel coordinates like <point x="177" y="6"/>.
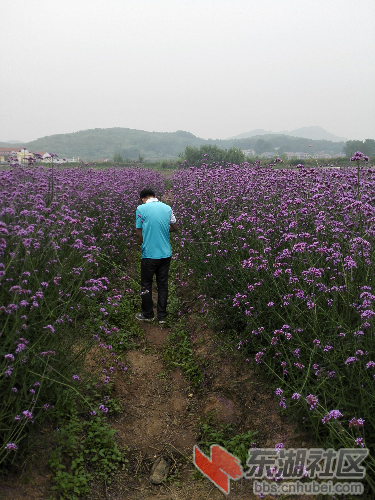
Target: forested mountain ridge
<point x="93" y="144"/>
<point x="314" y="132"/>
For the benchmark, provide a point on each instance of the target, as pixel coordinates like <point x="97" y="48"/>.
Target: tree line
<point x="366" y="147"/>
<point x="211" y="153"/>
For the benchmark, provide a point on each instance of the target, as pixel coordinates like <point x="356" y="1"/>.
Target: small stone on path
<point x="159" y="471"/>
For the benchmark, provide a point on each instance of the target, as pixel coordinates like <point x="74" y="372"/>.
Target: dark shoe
<point x="141" y="317"/>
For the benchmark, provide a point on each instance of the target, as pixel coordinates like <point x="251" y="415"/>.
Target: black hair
<point x="146" y="192"/>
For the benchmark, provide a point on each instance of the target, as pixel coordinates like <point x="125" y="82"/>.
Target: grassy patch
<point x="224" y="435"/>
<point x="83" y="449"/>
<point x="178" y="353"/>
<point x="173" y="305"/>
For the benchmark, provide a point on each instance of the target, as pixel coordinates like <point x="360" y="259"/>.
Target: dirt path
<point x="162" y="412"/>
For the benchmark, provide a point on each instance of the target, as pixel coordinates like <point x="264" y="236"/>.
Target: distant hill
<point x="281" y="143"/>
<point x="97" y="143"/>
<point x="104" y="143"/>
<point x="257" y="131"/>
<point x="12" y="144"/>
<point x="14" y="141"/>
<point x="315" y="133"/>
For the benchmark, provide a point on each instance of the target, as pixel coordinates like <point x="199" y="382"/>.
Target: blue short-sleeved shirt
<point x="154" y="217"/>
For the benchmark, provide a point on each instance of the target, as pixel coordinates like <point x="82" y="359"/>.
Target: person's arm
<point x="138" y="224"/>
<point x="139" y="234"/>
<point x="172" y="223"/>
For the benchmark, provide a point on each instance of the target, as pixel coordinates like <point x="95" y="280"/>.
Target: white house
<point x="10" y="151"/>
<point x="303" y="156"/>
<point x="299" y="155"/>
<point x="46" y="158"/>
<point x="290" y="155"/>
<point x="268" y="155"/>
<point x="249" y="152"/>
<point x="322" y="155"/>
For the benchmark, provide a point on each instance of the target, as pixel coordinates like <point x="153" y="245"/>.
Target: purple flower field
<point x="64" y="235"/>
<point x="285" y="261"/>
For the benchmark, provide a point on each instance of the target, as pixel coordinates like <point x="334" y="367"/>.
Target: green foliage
<point x="283" y="143"/>
<point x="82" y="450"/>
<point x="262" y="146"/>
<point x="366" y="147"/>
<point x="169" y="164"/>
<point x="117" y="158"/>
<point x="174" y="478"/>
<point x="237" y="444"/>
<point x="131" y="153"/>
<point x="114" y="406"/>
<point x="179" y="353"/>
<point x="101" y="448"/>
<point x="173" y="305"/>
<point x="234" y="156"/>
<point x="69" y="484"/>
<point x="210" y="152"/>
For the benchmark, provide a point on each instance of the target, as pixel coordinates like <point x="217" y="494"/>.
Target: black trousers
<point x="160" y="267"/>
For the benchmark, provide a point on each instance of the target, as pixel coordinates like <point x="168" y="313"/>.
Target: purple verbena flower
<point x="28" y="415"/>
<point x="49" y="327"/>
<point x="332" y="414"/>
<point x="11" y="446"/>
<point x="312" y="401"/>
<point x="354" y="422"/>
<point x="359" y="442"/>
<point x="352" y="359"/>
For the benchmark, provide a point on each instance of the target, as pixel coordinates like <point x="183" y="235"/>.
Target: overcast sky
<point x="215" y="68"/>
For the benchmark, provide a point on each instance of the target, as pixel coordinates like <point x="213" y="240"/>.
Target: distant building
<point x="22" y="155"/>
<point x="290" y="155"/>
<point x="46" y="158"/>
<point x="268" y="155"/>
<point x="12" y="151"/>
<point x="303" y="156"/>
<point x="299" y="155"/>
<point x="43" y="154"/>
<point x="249" y="152"/>
<point x="322" y="155"/>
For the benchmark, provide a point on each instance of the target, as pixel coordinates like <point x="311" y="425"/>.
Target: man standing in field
<point x="154" y="221"/>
